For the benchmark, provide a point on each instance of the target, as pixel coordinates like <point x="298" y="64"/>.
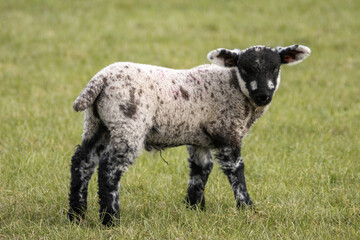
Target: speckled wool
<point x="130" y="107"/>
<point x="158" y="107"/>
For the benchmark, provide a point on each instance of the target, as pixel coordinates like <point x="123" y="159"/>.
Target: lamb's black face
<point x="259" y="70"/>
<point x="259" y="67"/>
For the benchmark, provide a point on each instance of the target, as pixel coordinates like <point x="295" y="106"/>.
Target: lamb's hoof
<point x="195" y="204"/>
<point x="76" y="214"/>
<point x="243" y="204"/>
<point x="110" y="220"/>
<point x="247" y="204"/>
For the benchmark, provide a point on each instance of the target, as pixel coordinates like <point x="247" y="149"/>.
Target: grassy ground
<point x="302" y="157"/>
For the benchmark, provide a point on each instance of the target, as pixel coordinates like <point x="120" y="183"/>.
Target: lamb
<point x="130" y="107"/>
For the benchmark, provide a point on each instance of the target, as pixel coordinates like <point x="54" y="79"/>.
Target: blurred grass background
<point x="302" y="157"/>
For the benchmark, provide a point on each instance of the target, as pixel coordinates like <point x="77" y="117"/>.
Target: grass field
<point x="302" y="157"/>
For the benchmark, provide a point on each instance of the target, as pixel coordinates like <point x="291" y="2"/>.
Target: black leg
<point x="200" y="164"/>
<point x="112" y="166"/>
<point x="82" y="168"/>
<point x="233" y="167"/>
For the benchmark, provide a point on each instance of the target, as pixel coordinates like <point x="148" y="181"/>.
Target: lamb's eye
<point x="243" y="71"/>
<point x="276" y="69"/>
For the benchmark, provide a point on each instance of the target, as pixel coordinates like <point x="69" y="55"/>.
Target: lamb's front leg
<point x="233" y="166"/>
<point x="200" y="164"/>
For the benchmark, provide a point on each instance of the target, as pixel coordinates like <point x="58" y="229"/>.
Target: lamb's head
<point x="259" y="68"/>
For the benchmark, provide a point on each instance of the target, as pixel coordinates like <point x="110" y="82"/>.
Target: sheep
<point x="130" y="107"/>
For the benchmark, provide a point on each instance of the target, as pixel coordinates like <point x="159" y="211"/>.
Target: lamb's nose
<point x="262" y="99"/>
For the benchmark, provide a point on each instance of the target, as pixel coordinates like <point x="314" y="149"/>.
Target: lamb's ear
<point x="293" y="54"/>
<point x="224" y="57"/>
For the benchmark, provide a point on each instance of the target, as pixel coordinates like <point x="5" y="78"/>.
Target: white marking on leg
<point x="240" y="196"/>
<point x="114" y="200"/>
<point x="195" y="180"/>
<point x="202" y="156"/>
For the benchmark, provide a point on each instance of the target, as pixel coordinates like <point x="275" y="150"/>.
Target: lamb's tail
<point x="90" y="93"/>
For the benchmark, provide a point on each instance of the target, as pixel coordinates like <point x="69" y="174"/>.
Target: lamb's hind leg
<point x="121" y="153"/>
<point x="83" y="165"/>
<point x="200" y="164"/>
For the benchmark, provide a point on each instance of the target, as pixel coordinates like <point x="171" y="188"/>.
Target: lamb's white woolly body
<point x="163" y="107"/>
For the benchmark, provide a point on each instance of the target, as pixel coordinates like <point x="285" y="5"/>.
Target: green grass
<point x="302" y="157"/>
